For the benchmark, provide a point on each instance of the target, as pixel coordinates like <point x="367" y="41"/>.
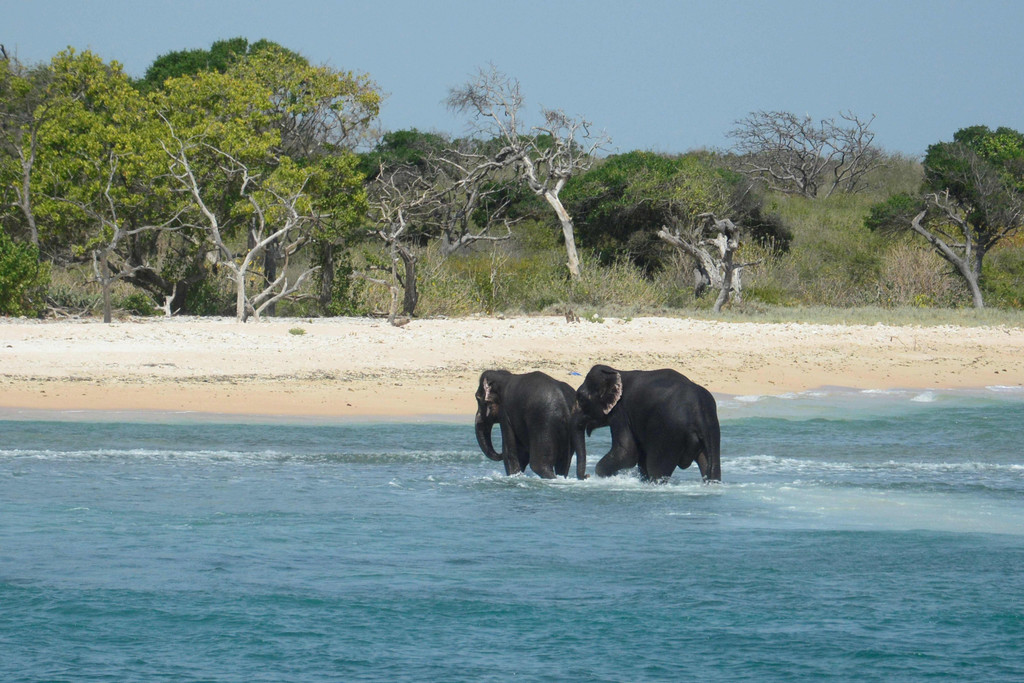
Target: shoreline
<point x="366" y="370"/>
<point x="728" y="404"/>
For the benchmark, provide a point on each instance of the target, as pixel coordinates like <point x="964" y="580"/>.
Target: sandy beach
<point x="359" y="367"/>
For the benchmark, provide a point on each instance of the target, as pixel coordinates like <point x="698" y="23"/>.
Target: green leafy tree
<point x="261" y="152"/>
<point x="23" y="278"/>
<point x="402" y="148"/>
<point x="221" y="55"/>
<point x="972" y="200"/>
<point x="24" y="109"/>
<point x="99" y="162"/>
<point x="622" y="202"/>
<point x="340" y="213"/>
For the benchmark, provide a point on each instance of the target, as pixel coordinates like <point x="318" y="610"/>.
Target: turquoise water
<point x="856" y="536"/>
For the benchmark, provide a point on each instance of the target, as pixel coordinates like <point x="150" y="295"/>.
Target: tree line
<point x="244" y="168"/>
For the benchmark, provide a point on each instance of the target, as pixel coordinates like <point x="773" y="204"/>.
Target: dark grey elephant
<point x="533" y="410"/>
<point x="659" y="420"/>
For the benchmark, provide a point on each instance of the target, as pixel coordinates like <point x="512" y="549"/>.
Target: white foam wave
<point x="226" y="455"/>
<point x="754" y="464"/>
<point x="683" y="483"/>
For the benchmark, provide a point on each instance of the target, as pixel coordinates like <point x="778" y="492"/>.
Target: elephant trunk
<point x="710" y="458"/>
<point x="579" y="443"/>
<point x="484" y="427"/>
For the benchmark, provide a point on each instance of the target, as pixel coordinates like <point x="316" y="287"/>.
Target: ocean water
<point x="856" y="536"/>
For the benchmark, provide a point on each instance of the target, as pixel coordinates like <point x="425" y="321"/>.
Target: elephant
<point x="659" y="420"/>
<point x="533" y="410"/>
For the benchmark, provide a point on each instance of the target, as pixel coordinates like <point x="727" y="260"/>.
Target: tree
<point x="410" y="147"/>
<point x="23" y="278"/>
<point x="544" y="157"/>
<point x="276" y="212"/>
<point x="713" y="256"/>
<point x="633" y="194"/>
<point x="99" y="167"/>
<point x="220" y="57"/>
<point x="24" y="108"/>
<point x="268" y="140"/>
<point x="797" y="155"/>
<point x="396" y="195"/>
<point x="320" y="113"/>
<point x="630" y="201"/>
<point x="451" y="194"/>
<point x="972" y="200"/>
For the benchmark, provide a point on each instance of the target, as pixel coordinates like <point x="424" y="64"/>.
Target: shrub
<point x="205" y="298"/>
<point x="1003" y="277"/>
<point x="23" y="278"/>
<point x="137" y="303"/>
<point x="913" y="275"/>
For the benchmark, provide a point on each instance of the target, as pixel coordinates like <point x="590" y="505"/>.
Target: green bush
<point x="137" y="303"/>
<point x="1003" y="278"/>
<point x="205" y="298"/>
<point x="23" y="279"/>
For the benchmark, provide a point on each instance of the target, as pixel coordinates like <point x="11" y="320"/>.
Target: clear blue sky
<point x="659" y="75"/>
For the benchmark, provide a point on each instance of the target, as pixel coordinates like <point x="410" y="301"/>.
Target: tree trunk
<point x="240" y="312"/>
<point x="270" y="271"/>
<point x="412" y="294"/>
<point x="723" y="292"/>
<point x="25" y="196"/>
<point x="105" y="283"/>
<point x="567" y="231"/>
<point x="325" y="253"/>
<point x="972" y="277"/>
<point x="963" y="265"/>
<point x="727" y="245"/>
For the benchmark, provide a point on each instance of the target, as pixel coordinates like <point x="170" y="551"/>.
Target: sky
<point x="659" y="75"/>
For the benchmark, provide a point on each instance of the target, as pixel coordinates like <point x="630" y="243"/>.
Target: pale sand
<point x="357" y="367"/>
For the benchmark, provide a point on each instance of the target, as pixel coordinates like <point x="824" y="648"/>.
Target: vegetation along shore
<point x="380" y="271"/>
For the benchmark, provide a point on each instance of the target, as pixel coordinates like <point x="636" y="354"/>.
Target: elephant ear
<point x="491" y="390"/>
<point x="610" y="391"/>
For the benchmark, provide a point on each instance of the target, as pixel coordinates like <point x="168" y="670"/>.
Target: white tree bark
<point x="291" y="232"/>
<point x="714" y="257"/>
<point x="545" y="156"/>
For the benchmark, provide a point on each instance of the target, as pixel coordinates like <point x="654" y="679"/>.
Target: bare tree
<point x="396" y="196"/>
<point x="712" y="244"/>
<point x="449" y="196"/>
<point x="276" y="219"/>
<point x="797" y="155"/>
<point x="544" y="156"/>
<point x="469" y="199"/>
<point x="453" y="193"/>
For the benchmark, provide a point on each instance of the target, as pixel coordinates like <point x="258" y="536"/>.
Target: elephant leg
<point x="544" y="470"/>
<point x="658" y="469"/>
<point x="511" y="452"/>
<point x="542" y="459"/>
<point x="623" y="455"/>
